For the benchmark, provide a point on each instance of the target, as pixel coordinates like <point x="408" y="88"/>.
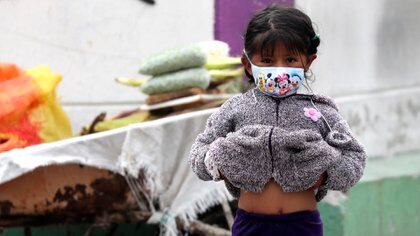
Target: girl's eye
<point x="291" y="60"/>
<point x="266" y="60"/>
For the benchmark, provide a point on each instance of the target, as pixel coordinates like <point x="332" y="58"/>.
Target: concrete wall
<point x="92" y="41"/>
<point x="368" y="60"/>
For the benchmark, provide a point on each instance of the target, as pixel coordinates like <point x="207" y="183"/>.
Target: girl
<point x="277" y="149"/>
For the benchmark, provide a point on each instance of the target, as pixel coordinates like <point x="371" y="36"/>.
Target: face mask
<point x="277" y="81"/>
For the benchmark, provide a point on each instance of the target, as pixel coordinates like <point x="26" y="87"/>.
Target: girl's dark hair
<point x="280" y="24"/>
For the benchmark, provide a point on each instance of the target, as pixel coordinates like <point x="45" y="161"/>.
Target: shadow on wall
<point x="397" y="42"/>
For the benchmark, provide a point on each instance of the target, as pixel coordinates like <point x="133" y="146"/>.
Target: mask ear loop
<point x="253" y="91"/>
<point x="246" y="55"/>
<point x="313" y="104"/>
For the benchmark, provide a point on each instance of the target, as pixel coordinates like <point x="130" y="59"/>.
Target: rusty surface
<point x="106" y="193"/>
<point x="5" y="207"/>
<point x="60" y="192"/>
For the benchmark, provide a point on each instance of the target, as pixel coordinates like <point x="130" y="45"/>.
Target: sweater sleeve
<point x="218" y="125"/>
<point x="243" y="156"/>
<point x="347" y="169"/>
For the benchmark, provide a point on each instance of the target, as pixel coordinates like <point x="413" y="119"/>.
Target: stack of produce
<point x="203" y="68"/>
<point x="199" y="68"/>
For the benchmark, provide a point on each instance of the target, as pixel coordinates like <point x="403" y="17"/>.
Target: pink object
<point x="312" y="113"/>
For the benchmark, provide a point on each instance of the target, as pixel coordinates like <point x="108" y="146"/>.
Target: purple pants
<point x="301" y="223"/>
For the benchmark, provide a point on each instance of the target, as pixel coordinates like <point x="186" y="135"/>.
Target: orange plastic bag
<point x="30" y="112"/>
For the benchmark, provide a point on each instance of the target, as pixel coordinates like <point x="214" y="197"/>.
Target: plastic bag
<point x="30" y="112"/>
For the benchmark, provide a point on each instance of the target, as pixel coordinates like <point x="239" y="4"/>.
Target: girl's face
<point x="281" y="58"/>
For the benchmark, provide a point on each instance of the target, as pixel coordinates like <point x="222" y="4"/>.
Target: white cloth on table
<point x="160" y="147"/>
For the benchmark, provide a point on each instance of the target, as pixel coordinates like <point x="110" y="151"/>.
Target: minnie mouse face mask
<point x="277" y="81"/>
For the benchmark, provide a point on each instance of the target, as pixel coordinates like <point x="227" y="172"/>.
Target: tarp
<point x="160" y="147"/>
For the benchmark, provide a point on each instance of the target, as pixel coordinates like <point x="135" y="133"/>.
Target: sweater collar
<point x="317" y="98"/>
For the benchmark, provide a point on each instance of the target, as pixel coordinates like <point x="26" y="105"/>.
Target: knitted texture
<point x="254" y="137"/>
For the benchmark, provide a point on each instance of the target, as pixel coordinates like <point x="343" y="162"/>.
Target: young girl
<point x="278" y="149"/>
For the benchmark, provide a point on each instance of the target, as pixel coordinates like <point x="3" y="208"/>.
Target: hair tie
<point x="315" y="37"/>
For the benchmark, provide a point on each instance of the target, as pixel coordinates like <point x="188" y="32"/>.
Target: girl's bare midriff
<point x="273" y="200"/>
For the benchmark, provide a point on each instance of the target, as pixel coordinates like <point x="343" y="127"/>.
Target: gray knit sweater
<point x="254" y="137"/>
